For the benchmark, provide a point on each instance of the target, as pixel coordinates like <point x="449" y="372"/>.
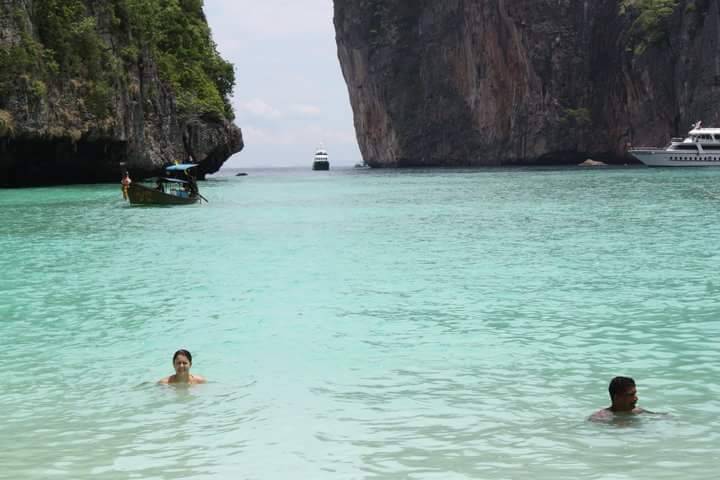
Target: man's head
<point x="623" y="394"/>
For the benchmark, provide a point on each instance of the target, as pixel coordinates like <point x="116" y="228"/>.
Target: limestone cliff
<point x="88" y="88"/>
<point x="498" y="82"/>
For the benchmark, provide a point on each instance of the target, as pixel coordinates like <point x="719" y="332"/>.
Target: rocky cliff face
<point x="60" y="125"/>
<point x="497" y="82"/>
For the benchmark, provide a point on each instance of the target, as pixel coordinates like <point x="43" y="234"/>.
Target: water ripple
<point x="414" y="324"/>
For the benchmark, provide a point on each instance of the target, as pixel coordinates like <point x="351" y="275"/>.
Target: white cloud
<point x="309" y="110"/>
<point x="290" y="94"/>
<point x="271" y="18"/>
<point x="258" y="136"/>
<point x="304" y="136"/>
<point x="328" y="136"/>
<point x="257" y="107"/>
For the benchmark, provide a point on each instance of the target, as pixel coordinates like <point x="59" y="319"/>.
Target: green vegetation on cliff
<point x="91" y="44"/>
<point x="177" y="33"/>
<point x="7" y="127"/>
<point x="650" y="24"/>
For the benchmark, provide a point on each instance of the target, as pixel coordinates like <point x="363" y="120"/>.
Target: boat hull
<point x="140" y="195"/>
<point x="321" y="165"/>
<point x="668" y="158"/>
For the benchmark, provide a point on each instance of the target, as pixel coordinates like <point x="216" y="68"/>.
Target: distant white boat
<point x="320" y="160"/>
<point x="701" y="148"/>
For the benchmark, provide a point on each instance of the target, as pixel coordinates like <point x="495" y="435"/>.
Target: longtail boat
<point x="178" y="187"/>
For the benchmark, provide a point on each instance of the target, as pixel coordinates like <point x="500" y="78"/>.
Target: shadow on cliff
<point x="33" y="162"/>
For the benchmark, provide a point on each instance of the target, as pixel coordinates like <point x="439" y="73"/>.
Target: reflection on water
<point x="414" y="324"/>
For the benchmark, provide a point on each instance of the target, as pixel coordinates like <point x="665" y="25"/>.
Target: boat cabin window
<point x="705" y="137"/>
<point x="686" y="147"/>
<point x="181" y="190"/>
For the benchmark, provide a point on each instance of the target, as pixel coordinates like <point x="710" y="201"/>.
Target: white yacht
<point x="701" y="148"/>
<point x="320" y="161"/>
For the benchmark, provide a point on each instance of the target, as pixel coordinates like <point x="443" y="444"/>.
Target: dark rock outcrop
<point x="50" y="133"/>
<point x="500" y="82"/>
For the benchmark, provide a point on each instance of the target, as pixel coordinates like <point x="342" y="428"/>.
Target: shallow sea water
<point x="440" y="324"/>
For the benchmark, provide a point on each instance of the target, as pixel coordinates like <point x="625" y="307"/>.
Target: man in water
<point x="623" y="395"/>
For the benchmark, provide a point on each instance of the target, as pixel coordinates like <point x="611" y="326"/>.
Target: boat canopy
<point x="699" y="131"/>
<point x="180" y="167"/>
<point x="173" y="180"/>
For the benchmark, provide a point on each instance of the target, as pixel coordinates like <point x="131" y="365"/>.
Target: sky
<point x="290" y="96"/>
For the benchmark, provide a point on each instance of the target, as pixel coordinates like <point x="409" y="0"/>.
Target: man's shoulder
<point x="601" y="415"/>
<point x="642" y="410"/>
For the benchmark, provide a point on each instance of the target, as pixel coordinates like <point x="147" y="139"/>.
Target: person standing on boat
<point x="182" y="361"/>
<point x="193" y="182"/>
<point x="623" y="395"/>
<point x="125" y="182"/>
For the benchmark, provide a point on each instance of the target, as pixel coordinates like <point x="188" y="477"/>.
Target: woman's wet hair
<point x="617" y="386"/>
<point x="183" y="352"/>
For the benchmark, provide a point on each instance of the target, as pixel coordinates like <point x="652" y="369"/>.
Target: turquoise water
<point x="353" y="324"/>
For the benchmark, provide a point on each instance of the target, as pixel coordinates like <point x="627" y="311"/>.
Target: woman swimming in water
<point x="182" y="361"/>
